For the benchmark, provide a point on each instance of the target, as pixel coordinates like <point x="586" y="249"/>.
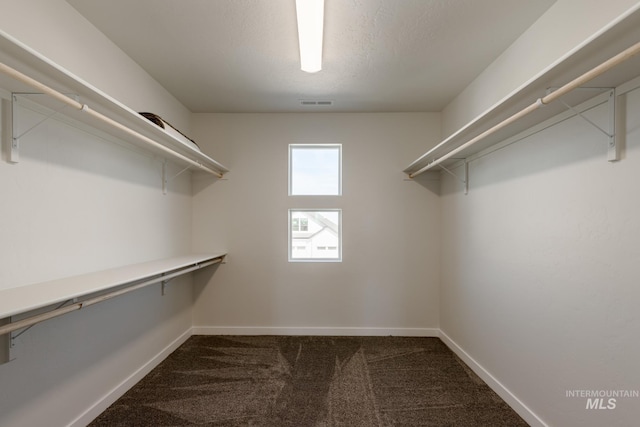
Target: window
<point x="315" y="170"/>
<point x="300" y="224"/>
<point x="320" y="241"/>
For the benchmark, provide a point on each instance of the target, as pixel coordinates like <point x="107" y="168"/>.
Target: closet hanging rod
<point x="540" y="102"/>
<point x="29" y="321"/>
<point x="17" y="75"/>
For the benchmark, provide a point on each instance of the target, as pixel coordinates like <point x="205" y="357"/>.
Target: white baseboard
<point x="516" y="404"/>
<point x="117" y="392"/>
<point x="328" y="331"/>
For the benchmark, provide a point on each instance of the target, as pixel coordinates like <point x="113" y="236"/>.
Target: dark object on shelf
<point x="159" y="121"/>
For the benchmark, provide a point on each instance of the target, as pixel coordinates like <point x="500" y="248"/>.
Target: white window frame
<point x="315" y="146"/>
<point x="290" y="237"/>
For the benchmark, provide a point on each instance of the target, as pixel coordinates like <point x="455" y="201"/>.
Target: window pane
<point x="319" y="238"/>
<point x="314" y="170"/>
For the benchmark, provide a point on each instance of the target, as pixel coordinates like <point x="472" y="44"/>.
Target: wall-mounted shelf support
<point x="15" y="335"/>
<point x="14" y="152"/>
<point x="164" y="284"/>
<point x="464" y="180"/>
<point x="14" y="143"/>
<point x="6" y="354"/>
<point x="11" y="337"/>
<point x="166" y="180"/>
<point x="613" y="151"/>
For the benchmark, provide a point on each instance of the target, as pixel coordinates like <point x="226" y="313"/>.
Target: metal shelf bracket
<point x="164" y="284"/>
<point x="14" y="135"/>
<point x="464" y="180"/>
<point x="166" y="180"/>
<point x="6" y="344"/>
<point x="8" y="340"/>
<point x="613" y="148"/>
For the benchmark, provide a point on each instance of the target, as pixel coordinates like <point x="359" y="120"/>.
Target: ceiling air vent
<point x="312" y="102"/>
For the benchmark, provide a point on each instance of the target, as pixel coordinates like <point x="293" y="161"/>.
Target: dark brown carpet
<point x="310" y="381"/>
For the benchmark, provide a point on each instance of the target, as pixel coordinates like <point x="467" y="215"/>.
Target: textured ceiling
<point x="379" y="55"/>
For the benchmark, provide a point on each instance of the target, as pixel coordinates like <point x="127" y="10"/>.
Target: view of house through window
<point x="314" y="235"/>
<point x="315" y="170"/>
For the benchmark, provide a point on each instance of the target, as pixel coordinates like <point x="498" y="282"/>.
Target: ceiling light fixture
<point x="310" y="15"/>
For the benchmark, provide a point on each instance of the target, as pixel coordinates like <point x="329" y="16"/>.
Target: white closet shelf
<point x="615" y="38"/>
<point x="24" y="299"/>
<point x="27" y="61"/>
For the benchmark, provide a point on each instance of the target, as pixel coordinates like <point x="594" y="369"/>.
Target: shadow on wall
<point x="57" y="352"/>
<point x="202" y="277"/>
<point x="202" y="181"/>
<point x="429" y="180"/>
<point x="70" y="147"/>
<point x="569" y="142"/>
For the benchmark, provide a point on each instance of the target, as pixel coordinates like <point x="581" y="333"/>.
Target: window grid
<point x="322" y="239"/>
<point x="315" y="234"/>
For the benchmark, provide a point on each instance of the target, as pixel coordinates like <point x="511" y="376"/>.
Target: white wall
<point x="75" y="204"/>
<point x="388" y="280"/>
<point x="540" y="269"/>
<point x="539" y="274"/>
<point x="537" y="267"/>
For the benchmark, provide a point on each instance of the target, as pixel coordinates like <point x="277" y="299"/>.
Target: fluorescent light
<point x="310" y="22"/>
